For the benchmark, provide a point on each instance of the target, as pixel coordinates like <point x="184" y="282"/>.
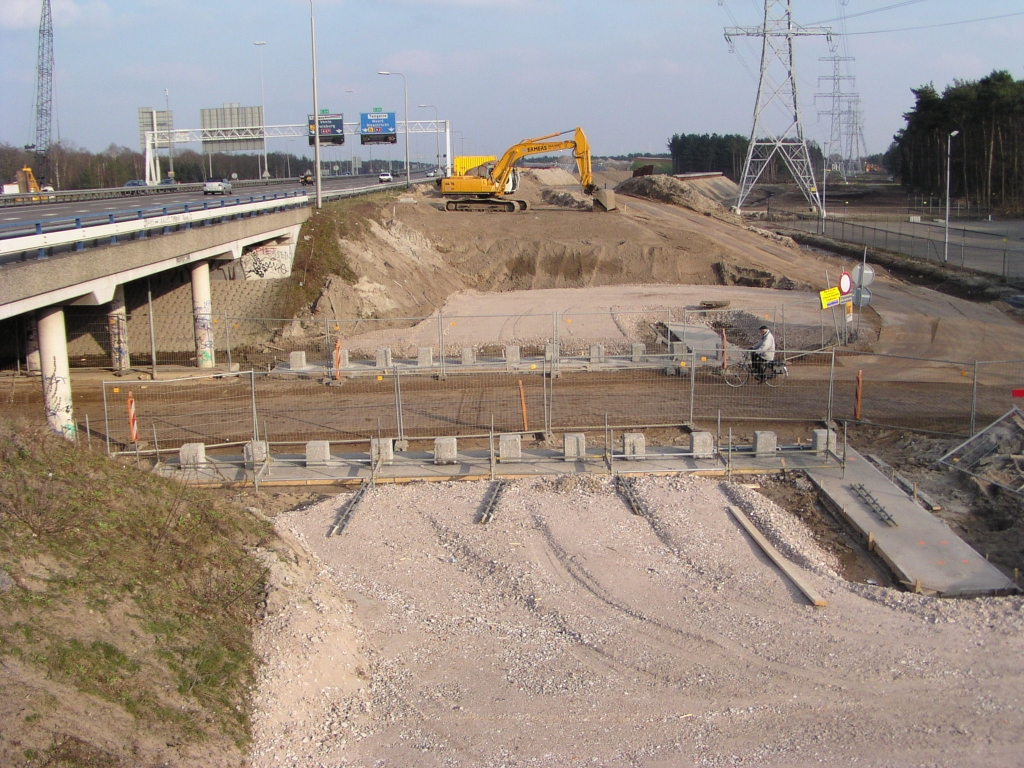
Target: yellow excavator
<point x="487" y="192"/>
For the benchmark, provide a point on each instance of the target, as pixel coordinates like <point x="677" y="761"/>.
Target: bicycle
<point x="737" y="374"/>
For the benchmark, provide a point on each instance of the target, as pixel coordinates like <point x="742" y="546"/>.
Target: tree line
<point x="987" y="156"/>
<point x="709" y="153"/>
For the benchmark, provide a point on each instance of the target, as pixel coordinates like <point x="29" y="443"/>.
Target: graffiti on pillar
<point x="203" y="317"/>
<point x="271" y="262"/>
<point x="117" y="326"/>
<point x="57" y="403"/>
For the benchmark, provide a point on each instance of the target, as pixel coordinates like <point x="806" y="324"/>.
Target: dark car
<point x="167" y="182"/>
<point x="134" y="183"/>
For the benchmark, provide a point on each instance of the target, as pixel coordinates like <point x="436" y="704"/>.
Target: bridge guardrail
<point x="19" y="199"/>
<point x="22" y="237"/>
<point x="74" y="231"/>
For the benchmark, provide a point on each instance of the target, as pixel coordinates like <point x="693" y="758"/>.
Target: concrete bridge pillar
<point x="32" y="346"/>
<point x="53" y="358"/>
<point x="202" y="314"/>
<point x="117" y="328"/>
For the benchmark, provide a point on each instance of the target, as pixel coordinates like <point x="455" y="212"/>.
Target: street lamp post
<point x="437" y="136"/>
<point x="316" y="113"/>
<point x="405" y="88"/>
<point x="170" y="139"/>
<point x="949" y="146"/>
<point x="263" y="108"/>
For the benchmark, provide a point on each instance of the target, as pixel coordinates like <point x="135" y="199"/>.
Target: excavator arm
<point x="580" y="151"/>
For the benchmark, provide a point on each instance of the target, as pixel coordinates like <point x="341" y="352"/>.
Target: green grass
<point x="82" y="535"/>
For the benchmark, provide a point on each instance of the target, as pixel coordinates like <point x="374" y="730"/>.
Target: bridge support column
<point x="32" y="365"/>
<point x="202" y="314"/>
<point x="117" y="328"/>
<point x="53" y="354"/>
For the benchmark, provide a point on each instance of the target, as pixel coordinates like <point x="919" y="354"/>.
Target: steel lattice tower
<point x="838" y="111"/>
<point x="44" y="88"/>
<point x="777" y="89"/>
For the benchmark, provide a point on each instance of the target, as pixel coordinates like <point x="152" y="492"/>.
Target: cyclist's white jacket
<point x="765" y="347"/>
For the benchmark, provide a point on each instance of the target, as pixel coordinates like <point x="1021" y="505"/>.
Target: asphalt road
<point x="12" y="217"/>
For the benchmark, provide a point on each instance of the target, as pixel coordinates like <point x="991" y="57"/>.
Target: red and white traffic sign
<point x="845" y="283"/>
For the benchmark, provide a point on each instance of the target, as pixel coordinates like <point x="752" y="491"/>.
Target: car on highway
<point x="217" y="187"/>
<point x="431" y="173"/>
<point x="134" y="183"/>
<point x="385" y="178"/>
<point x="166" y="182"/>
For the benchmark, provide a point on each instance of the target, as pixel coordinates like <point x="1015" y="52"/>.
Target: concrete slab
<point x="920" y="548"/>
<point x="697" y="338"/>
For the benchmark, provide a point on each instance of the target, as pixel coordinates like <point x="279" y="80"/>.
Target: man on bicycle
<point x="762" y="353"/>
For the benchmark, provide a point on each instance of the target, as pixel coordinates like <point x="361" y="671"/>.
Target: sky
<point x="631" y="72"/>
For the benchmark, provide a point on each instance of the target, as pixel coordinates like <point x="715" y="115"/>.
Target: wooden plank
<point x="776" y="557"/>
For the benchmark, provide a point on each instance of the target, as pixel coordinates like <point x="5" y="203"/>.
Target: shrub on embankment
<point x="319" y="255"/>
<point x="126" y="607"/>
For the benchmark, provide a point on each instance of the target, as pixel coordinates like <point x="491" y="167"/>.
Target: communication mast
<point x="44" y="92"/>
<point x="776" y="89"/>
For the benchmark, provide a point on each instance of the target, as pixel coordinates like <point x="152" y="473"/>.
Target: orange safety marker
<point x="522" y="400"/>
<point x="133" y="422"/>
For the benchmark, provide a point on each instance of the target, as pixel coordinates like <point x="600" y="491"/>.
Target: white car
<point x="385" y="178"/>
<point x="217" y="187"/>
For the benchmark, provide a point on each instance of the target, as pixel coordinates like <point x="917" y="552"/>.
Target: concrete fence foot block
<point x="384" y="357"/>
<point x="765" y="443"/>
<point x="343" y="358"/>
<point x="256" y="452"/>
<point x="469" y="355"/>
<point x="318" y="453"/>
<point x="424" y="357"/>
<point x="192" y="455"/>
<point x="574" y="444"/>
<point x="637" y="352"/>
<point x="446" y="450"/>
<point x="823" y="440"/>
<point x="510" y="448"/>
<point x="297" y="360"/>
<point x="512" y="354"/>
<point x="551" y="353"/>
<point x="634" y="446"/>
<point x="678" y="349"/>
<point x="702" y="445"/>
<point x="382" y="449"/>
<point x="597" y="353"/>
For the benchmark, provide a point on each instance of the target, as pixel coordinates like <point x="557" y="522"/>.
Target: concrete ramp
<point x="922" y="550"/>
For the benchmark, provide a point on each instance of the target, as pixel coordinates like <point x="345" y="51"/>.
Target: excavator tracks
<point x="486" y="205"/>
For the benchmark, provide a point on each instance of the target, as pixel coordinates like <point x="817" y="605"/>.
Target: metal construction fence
<point x="982" y="251"/>
<point x="265" y="343"/>
<point x="403" y="401"/>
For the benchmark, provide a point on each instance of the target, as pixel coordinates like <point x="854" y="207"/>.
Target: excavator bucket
<point x="604" y="200"/>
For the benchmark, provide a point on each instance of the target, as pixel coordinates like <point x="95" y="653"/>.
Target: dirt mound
<point x="667" y="189"/>
<point x="718" y="188"/>
<point x="550" y="177"/>
<point x="566" y="199"/>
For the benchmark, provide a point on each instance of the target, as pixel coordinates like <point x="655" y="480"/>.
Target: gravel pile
<point x="568" y="631"/>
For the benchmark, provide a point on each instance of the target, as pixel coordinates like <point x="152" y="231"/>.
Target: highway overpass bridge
<point x="44" y="272"/>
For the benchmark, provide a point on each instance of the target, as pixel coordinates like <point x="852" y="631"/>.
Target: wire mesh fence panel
<point x="615" y="333"/>
<point x="997" y="384"/>
<point x="466" y="404"/>
<point x="628" y="397"/>
<point x="206" y="409"/>
<point x="89" y="343"/>
<point x="900" y="391"/>
<point x="264" y="343"/>
<point x="291" y="409"/>
<point x="796" y="388"/>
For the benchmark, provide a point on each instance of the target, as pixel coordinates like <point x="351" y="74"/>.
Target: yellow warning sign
<point x="829" y="297"/>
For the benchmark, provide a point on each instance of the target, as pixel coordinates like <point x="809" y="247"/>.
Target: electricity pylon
<point x="776" y="88"/>
<point x="44" y="92"/>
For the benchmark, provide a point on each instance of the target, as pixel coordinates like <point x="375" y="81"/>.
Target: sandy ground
<point x="569" y="632"/>
<point x="645" y="255"/>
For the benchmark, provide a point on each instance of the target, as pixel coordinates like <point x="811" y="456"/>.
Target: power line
<point x="868" y="13"/>
<point x="933" y="26"/>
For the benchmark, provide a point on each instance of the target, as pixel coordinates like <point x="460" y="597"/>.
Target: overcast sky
<point x="630" y="72"/>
